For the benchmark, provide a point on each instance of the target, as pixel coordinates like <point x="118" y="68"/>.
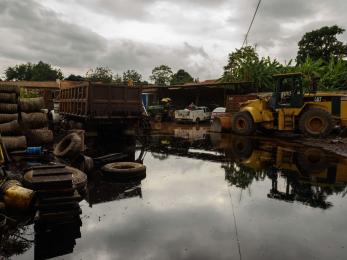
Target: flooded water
<point x="210" y="196"/>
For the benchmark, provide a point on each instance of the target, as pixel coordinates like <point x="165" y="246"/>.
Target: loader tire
<point x="12" y="143"/>
<point x="242" y="147"/>
<point x="69" y="146"/>
<point x="312" y="160"/>
<point x="316" y="122"/>
<point x="243" y="124"/>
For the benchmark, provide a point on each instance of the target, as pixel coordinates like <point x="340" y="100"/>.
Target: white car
<point x="195" y="115"/>
<point x="219" y="111"/>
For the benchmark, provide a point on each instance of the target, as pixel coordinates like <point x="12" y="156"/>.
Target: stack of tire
<point x="34" y="120"/>
<point x="10" y="130"/>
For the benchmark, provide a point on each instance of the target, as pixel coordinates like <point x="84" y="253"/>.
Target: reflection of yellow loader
<point x="289" y="109"/>
<point x="312" y="164"/>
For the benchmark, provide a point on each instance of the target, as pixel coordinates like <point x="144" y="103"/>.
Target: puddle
<point x="211" y="196"/>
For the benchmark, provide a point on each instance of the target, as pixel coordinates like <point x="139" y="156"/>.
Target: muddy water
<point x="212" y="196"/>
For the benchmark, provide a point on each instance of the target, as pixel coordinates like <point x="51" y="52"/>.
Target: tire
<point x="124" y="170"/>
<point x="69" y="146"/>
<point x="242" y="147"/>
<point x="243" y="124"/>
<point x="39" y="137"/>
<point x="316" y="122"/>
<point x="197" y="120"/>
<point x="12" y="143"/>
<point x="31" y="104"/>
<point x="5" y="118"/>
<point x="6" y="108"/>
<point x="312" y="160"/>
<point x="79" y="178"/>
<point x="10" y="128"/>
<point x="9" y="89"/>
<point x="8" y="98"/>
<point x="34" y="120"/>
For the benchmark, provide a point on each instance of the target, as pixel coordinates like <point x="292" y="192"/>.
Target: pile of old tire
<point x="10" y="130"/>
<point x="35" y="121"/>
<point x="124" y="171"/>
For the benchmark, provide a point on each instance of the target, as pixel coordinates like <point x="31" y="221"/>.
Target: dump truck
<point x="99" y="103"/>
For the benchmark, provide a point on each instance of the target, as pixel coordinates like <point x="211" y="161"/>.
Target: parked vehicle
<point x="194" y="115"/>
<point x="162" y="112"/>
<point x="219" y="111"/>
<point x="100" y="103"/>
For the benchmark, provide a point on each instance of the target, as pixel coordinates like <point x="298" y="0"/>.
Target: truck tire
<point x="5" y="118"/>
<point x="10" y="129"/>
<point x="39" y="137"/>
<point x="6" y="108"/>
<point x="31" y="104"/>
<point x="197" y="120"/>
<point x="243" y="124"/>
<point x="316" y="122"/>
<point x="124" y="170"/>
<point x="12" y="143"/>
<point x="70" y="145"/>
<point x="8" y="97"/>
<point x="34" y="120"/>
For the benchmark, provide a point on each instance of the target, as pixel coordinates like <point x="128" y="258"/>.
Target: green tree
<point x="181" y="77"/>
<point x="132" y="75"/>
<point x="35" y="72"/>
<point x="161" y="75"/>
<point x="74" y="77"/>
<point x="100" y="74"/>
<point x="321" y="44"/>
<point x="245" y="65"/>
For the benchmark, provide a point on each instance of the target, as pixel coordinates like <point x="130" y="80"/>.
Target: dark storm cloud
<point x="77" y="35"/>
<point x="33" y="33"/>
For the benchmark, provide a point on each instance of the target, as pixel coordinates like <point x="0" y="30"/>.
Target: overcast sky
<point x="195" y="35"/>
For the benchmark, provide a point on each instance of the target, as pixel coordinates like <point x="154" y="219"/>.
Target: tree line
<point x="161" y="75"/>
<point x="320" y="56"/>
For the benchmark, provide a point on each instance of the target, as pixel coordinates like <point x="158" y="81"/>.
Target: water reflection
<point x="287" y="201"/>
<point x="310" y="174"/>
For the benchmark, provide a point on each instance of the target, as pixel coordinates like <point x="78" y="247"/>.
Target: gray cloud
<point x="193" y="35"/>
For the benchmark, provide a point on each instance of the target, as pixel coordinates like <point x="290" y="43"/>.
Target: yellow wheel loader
<point x="313" y="114"/>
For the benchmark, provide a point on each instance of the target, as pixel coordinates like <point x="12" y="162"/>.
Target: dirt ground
<point x="335" y="145"/>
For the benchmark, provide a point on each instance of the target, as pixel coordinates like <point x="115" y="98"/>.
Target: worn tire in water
<point x="31" y="104"/>
<point x="10" y="128"/>
<point x="5" y="118"/>
<point x="70" y="145"/>
<point x="6" y="108"/>
<point x="8" y="97"/>
<point x="38" y="137"/>
<point x="124" y="170"/>
<point x="14" y="142"/>
<point x="34" y="120"/>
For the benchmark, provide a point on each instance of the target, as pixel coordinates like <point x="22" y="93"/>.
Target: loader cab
<point x="288" y="92"/>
